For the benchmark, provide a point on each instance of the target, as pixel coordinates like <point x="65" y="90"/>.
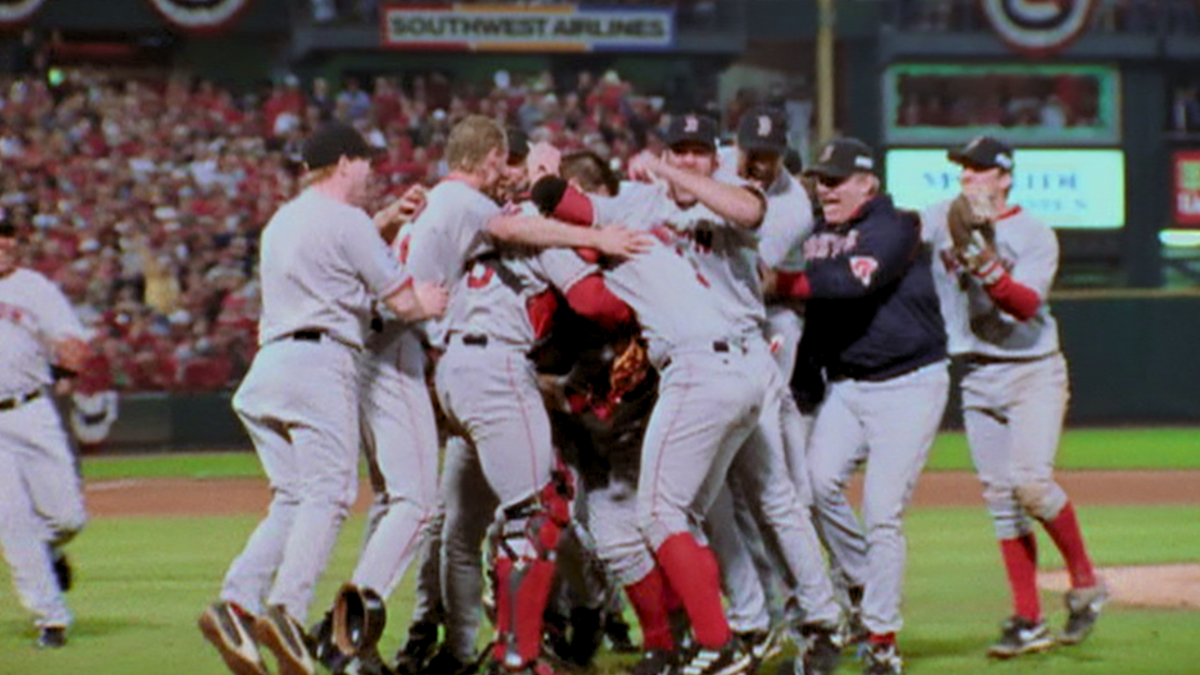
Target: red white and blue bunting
<point x="200" y="15"/>
<point x="13" y="12"/>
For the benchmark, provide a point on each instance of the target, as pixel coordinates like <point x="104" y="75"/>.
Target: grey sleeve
<point x="1037" y="261"/>
<point x="56" y="318"/>
<point x="787" y="221"/>
<point x="633" y="207"/>
<point x="561" y="268"/>
<point x="371" y="259"/>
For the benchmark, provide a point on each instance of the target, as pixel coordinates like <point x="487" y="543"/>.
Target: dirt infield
<point x="202" y="497"/>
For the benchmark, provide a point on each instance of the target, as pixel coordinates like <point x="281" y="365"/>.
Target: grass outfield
<point x="1173" y="448"/>
<point x="143" y="581"/>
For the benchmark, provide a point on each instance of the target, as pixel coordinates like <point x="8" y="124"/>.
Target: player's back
<point x="502" y="294"/>
<point x="308" y="281"/>
<point x="450" y="231"/>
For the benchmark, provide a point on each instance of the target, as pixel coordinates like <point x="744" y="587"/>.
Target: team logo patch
<point x="863" y="268"/>
<point x="1038" y="27"/>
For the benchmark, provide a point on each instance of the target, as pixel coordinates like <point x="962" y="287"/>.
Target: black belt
<point x="10" y="403"/>
<point x="718" y="346"/>
<point x="307" y="335"/>
<point x="474" y="340"/>
<point x="987" y="360"/>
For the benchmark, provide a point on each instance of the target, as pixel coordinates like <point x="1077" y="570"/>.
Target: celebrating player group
<point x="650" y="391"/>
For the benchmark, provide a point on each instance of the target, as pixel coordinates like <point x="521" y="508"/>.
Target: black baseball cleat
<point x="731" y="659"/>
<point x="231" y="630"/>
<point x="655" y="662"/>
<point x="285" y="637"/>
<point x="62" y="570"/>
<point x="1083" y="607"/>
<point x="882" y="658"/>
<point x="822" y="652"/>
<point x="419" y="649"/>
<point x="52" y="637"/>
<point x="617" y="632"/>
<point x="445" y="663"/>
<point x="1021" y="636"/>
<point x="763" y="645"/>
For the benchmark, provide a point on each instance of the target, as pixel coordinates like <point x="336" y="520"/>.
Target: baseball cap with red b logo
<point x="691" y="128"/>
<point x="763" y="129"/>
<point x="843" y="157"/>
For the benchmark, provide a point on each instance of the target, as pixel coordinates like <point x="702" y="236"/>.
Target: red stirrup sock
<point x="1067" y="536"/>
<point x="1020" y="562"/>
<point x="692" y="571"/>
<point x="649" y="599"/>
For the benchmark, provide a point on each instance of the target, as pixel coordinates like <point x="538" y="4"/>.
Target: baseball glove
<point x="628" y="369"/>
<point x="971" y="212"/>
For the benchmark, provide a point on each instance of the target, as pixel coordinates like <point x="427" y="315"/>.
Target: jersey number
<point x="480" y="276"/>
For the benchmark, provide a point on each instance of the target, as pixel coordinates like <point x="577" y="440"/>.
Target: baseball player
<point x="483" y="380"/>
<point x="453" y="549"/>
<point x="995" y="266"/>
<point x="873" y="325"/>
<point x="322" y="264"/>
<point x="760" y="160"/>
<point x="719" y="230"/>
<point x="41" y="500"/>
<point x="688" y="169"/>
<point x="400" y="443"/>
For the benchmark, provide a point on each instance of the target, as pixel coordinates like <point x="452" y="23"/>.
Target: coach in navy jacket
<point x="874" y="326"/>
<point x="872" y="312"/>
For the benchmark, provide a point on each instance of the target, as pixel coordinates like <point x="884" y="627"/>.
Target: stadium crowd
<point x="144" y="198"/>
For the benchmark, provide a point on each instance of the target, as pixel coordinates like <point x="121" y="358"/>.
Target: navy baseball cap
<point x="692" y="128"/>
<point x="984" y="152"/>
<point x="763" y="129"/>
<point x="843" y="157"/>
<point x="332" y="141"/>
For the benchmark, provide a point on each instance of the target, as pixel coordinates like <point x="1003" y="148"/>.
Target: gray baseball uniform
<point x="401" y="444"/>
<point x="726" y="257"/>
<point x="487" y="387"/>
<point x="1015" y="383"/>
<point x="42" y="503"/>
<point x="322" y="264"/>
<point x="786" y="224"/>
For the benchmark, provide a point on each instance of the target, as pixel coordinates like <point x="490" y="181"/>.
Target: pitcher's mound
<point x="1174" y="586"/>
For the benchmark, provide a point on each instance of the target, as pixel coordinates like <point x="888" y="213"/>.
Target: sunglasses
<point x="832" y="181"/>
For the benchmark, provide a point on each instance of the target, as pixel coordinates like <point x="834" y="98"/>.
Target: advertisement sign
<point x="1069" y="189"/>
<point x="1045" y="104"/>
<point x="472" y="27"/>
<point x="1187" y="188"/>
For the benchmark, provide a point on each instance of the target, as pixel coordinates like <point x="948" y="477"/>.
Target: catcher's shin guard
<point x="522" y="578"/>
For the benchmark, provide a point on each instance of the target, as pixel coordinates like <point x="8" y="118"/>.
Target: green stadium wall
<point x="1133" y="361"/>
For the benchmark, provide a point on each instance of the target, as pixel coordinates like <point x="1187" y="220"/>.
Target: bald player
<point x="1015" y="391"/>
<point x="322" y="264"/>
<point x="41" y="499"/>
